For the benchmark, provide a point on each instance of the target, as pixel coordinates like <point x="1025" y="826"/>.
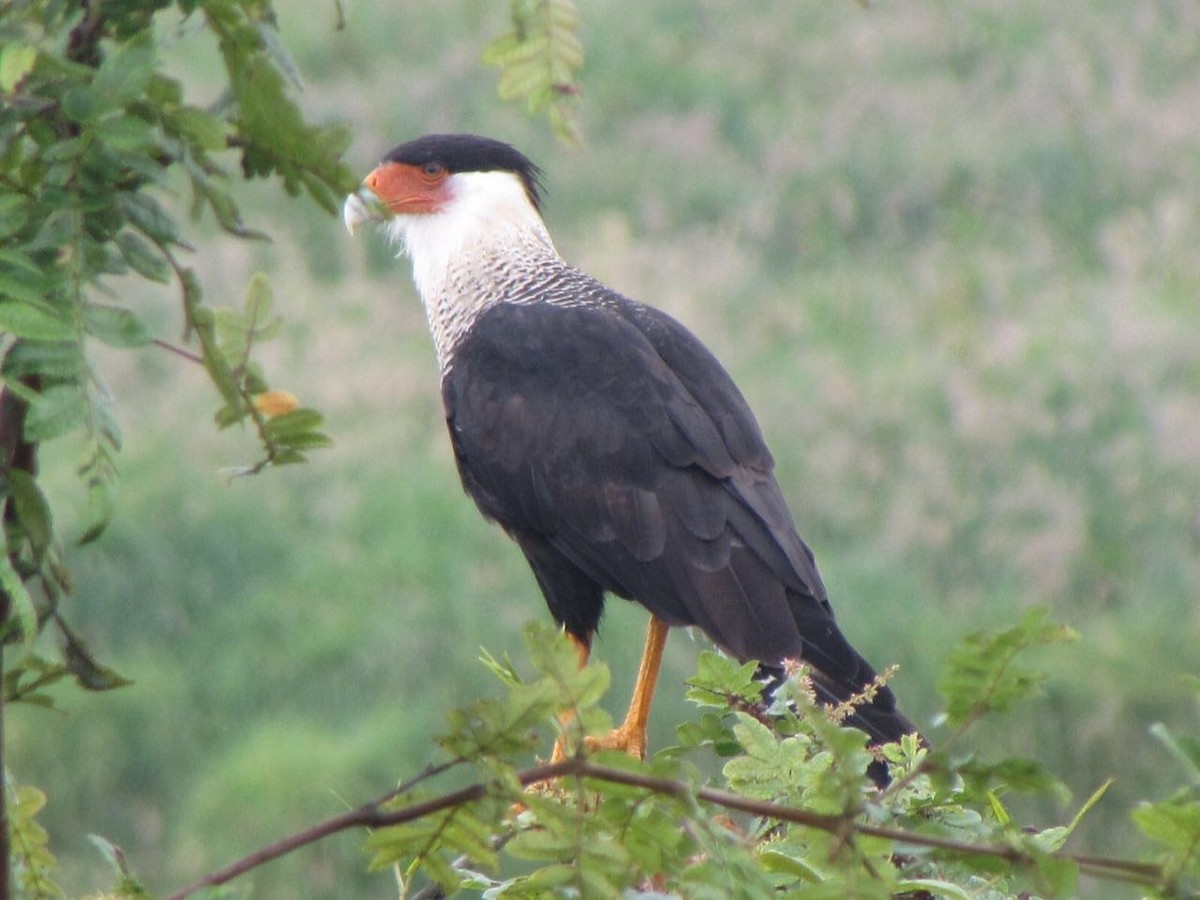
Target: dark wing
<point x="618" y="452"/>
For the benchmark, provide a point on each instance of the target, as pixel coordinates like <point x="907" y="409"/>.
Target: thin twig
<point x="178" y="351"/>
<point x="369" y="815"/>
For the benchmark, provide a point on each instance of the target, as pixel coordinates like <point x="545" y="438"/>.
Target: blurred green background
<point x="951" y="253"/>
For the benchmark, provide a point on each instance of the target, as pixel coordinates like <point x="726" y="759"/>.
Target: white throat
<point x="487" y="212"/>
<point x="461" y="253"/>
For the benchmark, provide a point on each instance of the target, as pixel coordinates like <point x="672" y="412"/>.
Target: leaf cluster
<point x="538" y="60"/>
<point x="95" y="137"/>
<point x="34" y="874"/>
<point x="763" y="796"/>
<point x="792" y="812"/>
<point x="227" y="340"/>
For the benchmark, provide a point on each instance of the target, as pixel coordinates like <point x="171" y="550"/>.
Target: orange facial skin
<point x="410" y="189"/>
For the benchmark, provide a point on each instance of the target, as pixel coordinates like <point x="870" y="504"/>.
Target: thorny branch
<point x="373" y="815"/>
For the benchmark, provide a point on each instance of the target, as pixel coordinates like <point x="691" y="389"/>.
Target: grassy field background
<point x="952" y="255"/>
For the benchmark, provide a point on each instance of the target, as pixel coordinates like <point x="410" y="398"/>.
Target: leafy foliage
<point x="95" y="137"/>
<point x="227" y="338"/>
<point x="95" y="133"/>
<point x="538" y="60"/>
<point x="791" y="812"/>
<point x="981" y="678"/>
<point x="30" y="845"/>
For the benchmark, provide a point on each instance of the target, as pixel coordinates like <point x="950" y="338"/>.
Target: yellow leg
<point x="584" y="651"/>
<point x="631" y="735"/>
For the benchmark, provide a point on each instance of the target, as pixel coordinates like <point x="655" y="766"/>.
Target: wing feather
<point x="620" y="455"/>
<point x="573" y="424"/>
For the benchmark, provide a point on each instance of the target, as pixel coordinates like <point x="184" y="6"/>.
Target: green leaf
<point x="124" y="74"/>
<point x="783" y="863"/>
<point x="33" y="321"/>
<point x="113" y="855"/>
<point x="16" y="259"/>
<point x="1060" y="876"/>
<point x="126" y="133"/>
<point x="230" y="414"/>
<point x="237" y="331"/>
<point x="981" y="675"/>
<point x="307" y="440"/>
<point x="14" y="213"/>
<point x="49" y="360"/>
<point x="16" y="61"/>
<point x="88" y="673"/>
<point x="32" y="510"/>
<point x="1175" y="825"/>
<point x="24" y="613"/>
<point x="30" y="289"/>
<point x="550" y="651"/>
<point x="228" y="215"/>
<point x="279" y="55"/>
<point x="1087" y="806"/>
<point x="200" y="128"/>
<point x="34" y="864"/>
<point x="143" y="257"/>
<point x="756" y="738"/>
<point x="286" y="456"/>
<point x="149" y="217"/>
<point x="547" y="881"/>
<point x="79" y="105"/>
<point x="433" y="840"/>
<point x="259" y="300"/>
<point x="1014" y="774"/>
<point x="54" y="412"/>
<point x="114" y="326"/>
<point x="22" y="682"/>
<point x="99" y="474"/>
<point x="711" y="730"/>
<point x="719" y="679"/>
<point x="540" y="845"/>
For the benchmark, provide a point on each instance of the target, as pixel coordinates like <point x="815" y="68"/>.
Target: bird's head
<point x="443" y="194"/>
<point x="433" y="174"/>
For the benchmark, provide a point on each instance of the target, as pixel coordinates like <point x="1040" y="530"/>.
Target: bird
<point x="603" y="436"/>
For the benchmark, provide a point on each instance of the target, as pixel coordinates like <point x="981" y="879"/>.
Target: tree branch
<point x="15" y="453"/>
<point x="371" y="815"/>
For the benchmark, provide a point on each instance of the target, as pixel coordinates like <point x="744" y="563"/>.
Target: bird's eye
<point x="433" y="170"/>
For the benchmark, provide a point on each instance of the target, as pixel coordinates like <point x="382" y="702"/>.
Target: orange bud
<point x="275" y="403"/>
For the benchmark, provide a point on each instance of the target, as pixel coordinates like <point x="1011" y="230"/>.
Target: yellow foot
<point x="629" y="739"/>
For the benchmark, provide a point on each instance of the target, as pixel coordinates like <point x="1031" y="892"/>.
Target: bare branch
<point x="369" y="815"/>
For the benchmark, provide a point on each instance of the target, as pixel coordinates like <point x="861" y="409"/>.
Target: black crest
<point x="471" y="153"/>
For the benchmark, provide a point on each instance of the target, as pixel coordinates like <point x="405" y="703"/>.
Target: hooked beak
<point x="363" y="206"/>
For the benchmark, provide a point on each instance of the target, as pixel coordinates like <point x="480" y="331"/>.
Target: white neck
<point x="457" y="251"/>
<point x="487" y="211"/>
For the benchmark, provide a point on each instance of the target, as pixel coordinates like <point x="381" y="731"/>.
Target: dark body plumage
<point x="619" y="454"/>
<point x="608" y="441"/>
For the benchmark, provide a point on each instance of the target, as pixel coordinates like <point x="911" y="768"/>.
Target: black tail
<point x="879" y="718"/>
<point x="839" y="673"/>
